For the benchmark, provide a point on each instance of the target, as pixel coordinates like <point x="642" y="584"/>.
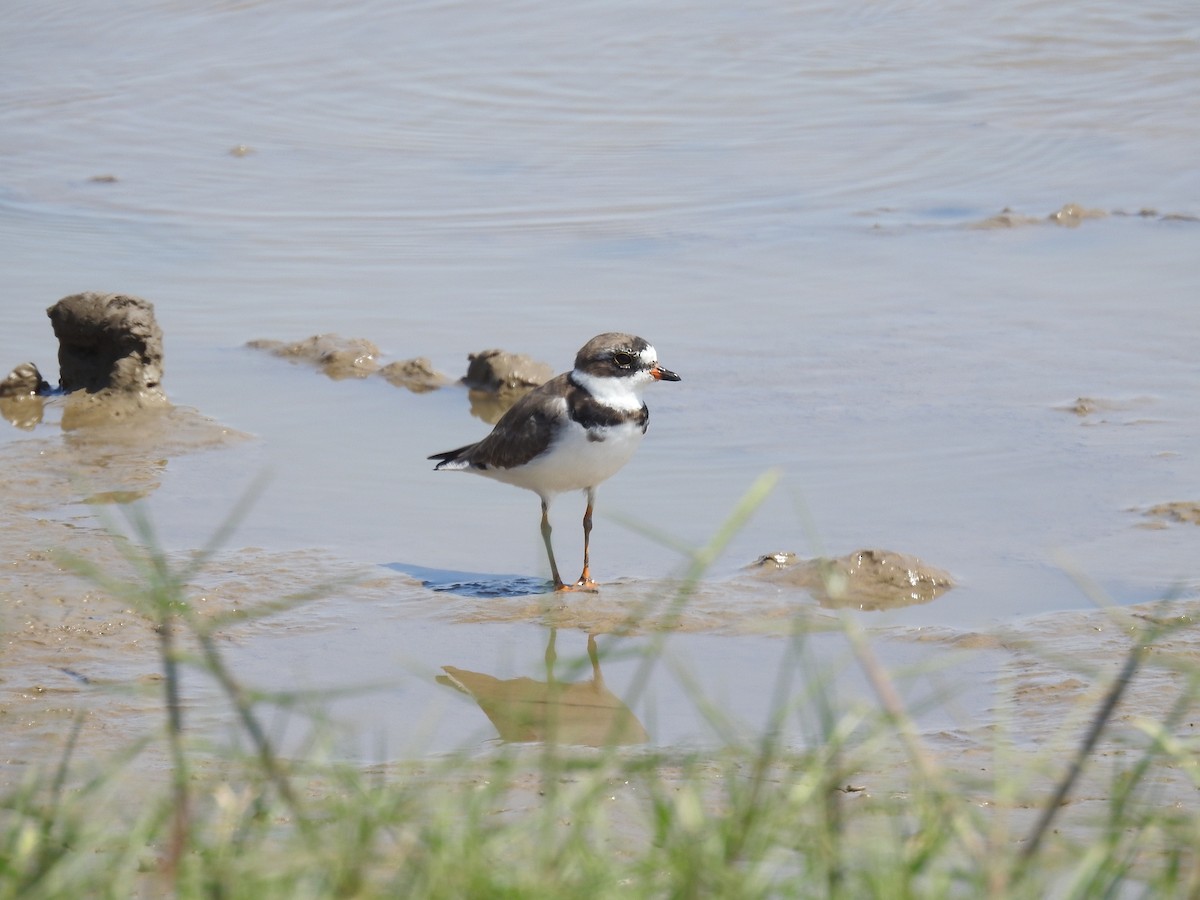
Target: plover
<point x="572" y="433"/>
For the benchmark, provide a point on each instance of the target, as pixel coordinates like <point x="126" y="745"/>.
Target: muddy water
<point x="834" y="221"/>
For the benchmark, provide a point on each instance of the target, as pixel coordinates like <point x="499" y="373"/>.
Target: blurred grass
<point x="753" y="816"/>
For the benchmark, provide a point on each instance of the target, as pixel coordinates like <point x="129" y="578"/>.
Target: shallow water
<point x="781" y="200"/>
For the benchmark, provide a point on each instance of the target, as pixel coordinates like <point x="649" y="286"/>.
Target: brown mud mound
<point x="417" y="375"/>
<point x="499" y="370"/>
<point x="24" y="381"/>
<point x="497" y="379"/>
<point x="108" y="342"/>
<point x="21" y="396"/>
<point x="864" y="579"/>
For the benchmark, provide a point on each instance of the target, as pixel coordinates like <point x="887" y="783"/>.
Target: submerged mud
<point x="336" y="356"/>
<point x="1072" y="215"/>
<point x="416" y="374"/>
<point x="1181" y="511"/>
<point x="864" y="579"/>
<point x="73" y="648"/>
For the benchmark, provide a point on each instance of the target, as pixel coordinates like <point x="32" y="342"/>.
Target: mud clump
<point x="418" y="375"/>
<point x="497" y="379"/>
<point x="107" y="342"/>
<point x="1186" y="512"/>
<point x="336" y="356"/>
<point x="1073" y="215"/>
<point x="24" y="381"/>
<point x="864" y="579"/>
<point x="1085" y="406"/>
<point x="21" y="394"/>
<point x="499" y="370"/>
<point x="110" y="357"/>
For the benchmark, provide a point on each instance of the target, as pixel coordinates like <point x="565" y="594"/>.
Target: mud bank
<point x="1072" y="215"/>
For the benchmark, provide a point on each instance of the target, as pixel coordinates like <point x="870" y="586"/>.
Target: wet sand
<point x="71" y="647"/>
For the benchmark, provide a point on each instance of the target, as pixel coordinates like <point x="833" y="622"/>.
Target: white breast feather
<point x="574" y="462"/>
<point x="616" y="393"/>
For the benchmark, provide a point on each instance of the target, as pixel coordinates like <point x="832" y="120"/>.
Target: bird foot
<point x="581" y="585"/>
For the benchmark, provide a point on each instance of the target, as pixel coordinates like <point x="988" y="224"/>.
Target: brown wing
<point x="525" y="431"/>
<point x="522" y="433"/>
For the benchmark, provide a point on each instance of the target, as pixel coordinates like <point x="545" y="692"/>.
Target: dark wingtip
<point x="448" y="456"/>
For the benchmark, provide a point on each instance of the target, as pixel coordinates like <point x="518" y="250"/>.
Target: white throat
<point x="617" y="393"/>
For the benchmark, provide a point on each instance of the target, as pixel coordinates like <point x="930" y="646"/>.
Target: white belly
<point x="573" y="462"/>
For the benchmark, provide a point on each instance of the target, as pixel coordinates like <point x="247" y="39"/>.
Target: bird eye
<point x="622" y="359"/>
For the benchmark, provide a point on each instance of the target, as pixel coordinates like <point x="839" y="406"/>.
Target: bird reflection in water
<point x="525" y="710"/>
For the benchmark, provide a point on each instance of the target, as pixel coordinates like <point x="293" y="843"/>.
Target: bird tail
<point x="453" y="459"/>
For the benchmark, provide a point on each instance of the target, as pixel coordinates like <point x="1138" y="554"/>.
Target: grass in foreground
<point x="753" y="818"/>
